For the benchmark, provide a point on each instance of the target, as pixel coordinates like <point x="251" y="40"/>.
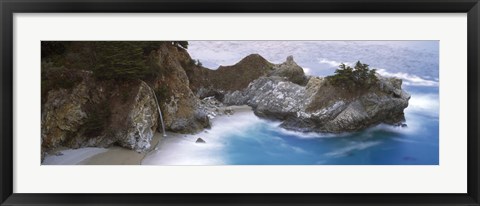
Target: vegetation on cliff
<point x="100" y="93"/>
<point x="118" y="60"/>
<point x="356" y="78"/>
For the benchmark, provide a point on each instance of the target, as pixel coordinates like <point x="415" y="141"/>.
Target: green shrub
<point x="358" y="77"/>
<point x="121" y="60"/>
<point x="117" y="60"/>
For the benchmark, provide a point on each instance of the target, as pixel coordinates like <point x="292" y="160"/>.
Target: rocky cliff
<point x="102" y="93"/>
<point x="177" y="101"/>
<point x="99" y="113"/>
<point x="83" y="105"/>
<point x="205" y="82"/>
<point x="320" y="106"/>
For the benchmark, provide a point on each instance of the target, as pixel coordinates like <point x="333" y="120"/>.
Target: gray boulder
<point x="142" y="120"/>
<point x="319" y="107"/>
<point x="290" y="71"/>
<point x="200" y="140"/>
<point x="99" y="114"/>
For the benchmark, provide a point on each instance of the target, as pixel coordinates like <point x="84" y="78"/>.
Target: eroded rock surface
<point x="321" y="107"/>
<point x="99" y="114"/>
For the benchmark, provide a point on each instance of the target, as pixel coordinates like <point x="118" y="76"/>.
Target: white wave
<point x="354" y="146"/>
<point x="179" y="150"/>
<point x="182" y="149"/>
<point x="329" y="62"/>
<point x="282" y="143"/>
<point x="307" y="70"/>
<point x="304" y="135"/>
<point x="333" y="63"/>
<point x="413" y="127"/>
<point x="409" y="79"/>
<point x="424" y="104"/>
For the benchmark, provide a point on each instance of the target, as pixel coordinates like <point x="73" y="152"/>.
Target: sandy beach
<point x="116" y="155"/>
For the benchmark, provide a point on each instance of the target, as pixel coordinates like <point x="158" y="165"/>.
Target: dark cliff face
<point x="99" y="113"/>
<point x="100" y="94"/>
<point x="290" y="71"/>
<point x="318" y="105"/>
<point x="177" y="101"/>
<point x="83" y="105"/>
<point x="283" y="92"/>
<point x="206" y="82"/>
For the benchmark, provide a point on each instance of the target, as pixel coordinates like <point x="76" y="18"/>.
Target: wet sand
<point x="120" y="156"/>
<point x="116" y="155"/>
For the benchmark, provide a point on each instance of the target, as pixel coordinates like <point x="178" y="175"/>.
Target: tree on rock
<point x="123" y="59"/>
<point x="358" y="77"/>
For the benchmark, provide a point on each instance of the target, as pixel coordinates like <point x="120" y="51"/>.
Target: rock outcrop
<point x="290" y="71"/>
<point x="99" y="113"/>
<point x="206" y="82"/>
<point x="215" y="108"/>
<point x="180" y="106"/>
<point x="318" y="106"/>
<point x="200" y="140"/>
<point x="81" y="109"/>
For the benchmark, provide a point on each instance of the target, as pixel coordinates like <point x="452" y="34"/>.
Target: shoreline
<point x="116" y="155"/>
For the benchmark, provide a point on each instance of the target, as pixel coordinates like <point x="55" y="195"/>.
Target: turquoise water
<point x="417" y="144"/>
<point x="244" y="139"/>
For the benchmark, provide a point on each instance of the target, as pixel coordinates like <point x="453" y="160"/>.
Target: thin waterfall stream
<point x="159" y="111"/>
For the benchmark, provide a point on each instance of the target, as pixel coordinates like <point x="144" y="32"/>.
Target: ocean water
<point x="265" y="143"/>
<point x="244" y="139"/>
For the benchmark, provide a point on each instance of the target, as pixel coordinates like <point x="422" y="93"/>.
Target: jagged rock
<point x="141" y="121"/>
<point x="91" y="112"/>
<point x="200" y="140"/>
<point x="311" y="104"/>
<point x="321" y="107"/>
<point x="180" y="105"/>
<point x="290" y="71"/>
<point x="228" y="111"/>
<point x="206" y="82"/>
<point x="213" y="107"/>
<point x="98" y="114"/>
<point x="63" y="113"/>
<point x="79" y="110"/>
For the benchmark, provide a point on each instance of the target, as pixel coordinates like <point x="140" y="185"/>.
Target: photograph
<point x="238" y="102"/>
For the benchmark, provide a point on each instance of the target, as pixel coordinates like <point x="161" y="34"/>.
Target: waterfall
<point x="159" y="111"/>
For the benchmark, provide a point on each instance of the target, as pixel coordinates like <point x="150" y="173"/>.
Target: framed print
<point x="254" y="103"/>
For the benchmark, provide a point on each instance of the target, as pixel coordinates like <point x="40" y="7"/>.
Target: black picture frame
<point x="9" y="7"/>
